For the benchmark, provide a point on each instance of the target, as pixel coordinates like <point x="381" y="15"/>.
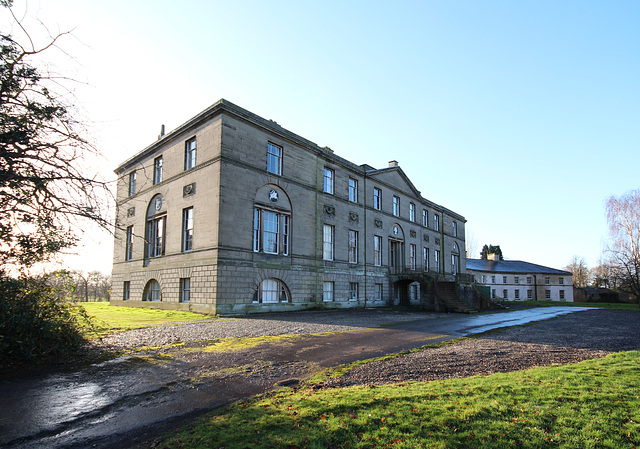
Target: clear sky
<point x="523" y="116"/>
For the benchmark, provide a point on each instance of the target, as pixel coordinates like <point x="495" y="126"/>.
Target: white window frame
<point x="377" y="250"/>
<point x="156" y="236"/>
<point x="157" y="170"/>
<point x="455" y="228"/>
<point x="328" y="242"/>
<point x="354" y="291"/>
<point x="274" y="158"/>
<point x="328" y="180"/>
<point x="547" y="294"/>
<point x="353" y="190"/>
<point x="436" y="255"/>
<point x="190" y="154"/>
<point x="425" y="258"/>
<point x="128" y="254"/>
<point x="353" y="246"/>
<point x="271" y="291"/>
<point x="263" y="234"/>
<point x="379" y="289"/>
<point x="126" y="290"/>
<point x="328" y="291"/>
<point x="132" y="183"/>
<point x="185" y="289"/>
<point x="377" y="198"/>
<point x="425" y="218"/>
<point x="396" y="205"/>
<point x="187" y="229"/>
<point x="412" y="256"/>
<point x="412" y="212"/>
<point x="436" y="222"/>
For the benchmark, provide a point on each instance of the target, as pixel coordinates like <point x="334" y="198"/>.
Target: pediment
<point x="396" y="178"/>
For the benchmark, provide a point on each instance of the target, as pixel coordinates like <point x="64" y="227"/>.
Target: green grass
<point x="593" y="404"/>
<point x="604" y="305"/>
<point x="109" y="319"/>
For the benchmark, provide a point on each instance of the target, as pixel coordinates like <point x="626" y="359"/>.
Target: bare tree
<point x="581" y="274"/>
<point x="44" y="193"/>
<point x="623" y="250"/>
<point x="471" y="244"/>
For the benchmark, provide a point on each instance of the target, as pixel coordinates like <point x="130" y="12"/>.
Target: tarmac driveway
<point x="125" y="401"/>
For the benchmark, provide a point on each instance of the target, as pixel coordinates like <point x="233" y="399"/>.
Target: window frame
<point x="157" y="170"/>
<point x="353" y="246"/>
<point x="185" y="290"/>
<point x="377" y="250"/>
<point x="455" y="228"/>
<point x="396" y="206"/>
<point x="274" y="159"/>
<point x="128" y="252"/>
<point x="377" y="198"/>
<point x="187" y="229"/>
<point x="328" y="180"/>
<point x="425" y="258"/>
<point x="126" y="290"/>
<point x="328" y="242"/>
<point x="436" y="255"/>
<point x="156" y="236"/>
<point x="413" y="254"/>
<point x="132" y="183"/>
<point x="353" y="190"/>
<point x="354" y="291"/>
<point x="425" y="218"/>
<point x="436" y="222"/>
<point x="260" y="231"/>
<point x="412" y="212"/>
<point x="328" y="293"/>
<point x="190" y="153"/>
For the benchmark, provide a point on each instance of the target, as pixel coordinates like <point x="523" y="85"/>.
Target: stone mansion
<point x="231" y="213"/>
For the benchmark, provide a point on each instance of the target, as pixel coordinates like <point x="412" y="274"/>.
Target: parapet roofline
<point x="223" y="105"/>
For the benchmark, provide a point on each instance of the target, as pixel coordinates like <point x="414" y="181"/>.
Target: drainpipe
<point x="366" y="239"/>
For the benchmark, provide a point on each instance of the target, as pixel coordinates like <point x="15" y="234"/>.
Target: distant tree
<point x="490" y="249"/>
<point x="623" y="249"/>
<point x="581" y="274"/>
<point x="471" y="243"/>
<point x="43" y="189"/>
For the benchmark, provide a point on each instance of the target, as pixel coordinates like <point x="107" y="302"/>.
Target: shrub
<point x="35" y="321"/>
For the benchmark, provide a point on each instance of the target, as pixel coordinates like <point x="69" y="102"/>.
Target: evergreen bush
<point x="35" y="321"/>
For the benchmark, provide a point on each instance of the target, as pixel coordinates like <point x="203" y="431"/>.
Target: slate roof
<point x="511" y="266"/>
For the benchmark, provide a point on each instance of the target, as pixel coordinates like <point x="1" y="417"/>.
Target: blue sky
<point x="522" y="116"/>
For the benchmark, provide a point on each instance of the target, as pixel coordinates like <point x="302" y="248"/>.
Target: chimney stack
<point x="393" y="163"/>
<point x="161" y="132"/>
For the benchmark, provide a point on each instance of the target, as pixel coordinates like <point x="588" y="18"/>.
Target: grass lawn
<point x="593" y="404"/>
<point x="109" y="319"/>
<point x="603" y="305"/>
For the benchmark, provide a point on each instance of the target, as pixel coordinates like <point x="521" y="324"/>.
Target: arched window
<point x="455" y="259"/>
<point x="152" y="291"/>
<point x="272" y="221"/>
<point x="271" y="291"/>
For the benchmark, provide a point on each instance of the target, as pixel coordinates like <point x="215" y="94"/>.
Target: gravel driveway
<point x="566" y="339"/>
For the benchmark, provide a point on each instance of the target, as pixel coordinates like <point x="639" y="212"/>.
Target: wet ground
<point x="129" y="400"/>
